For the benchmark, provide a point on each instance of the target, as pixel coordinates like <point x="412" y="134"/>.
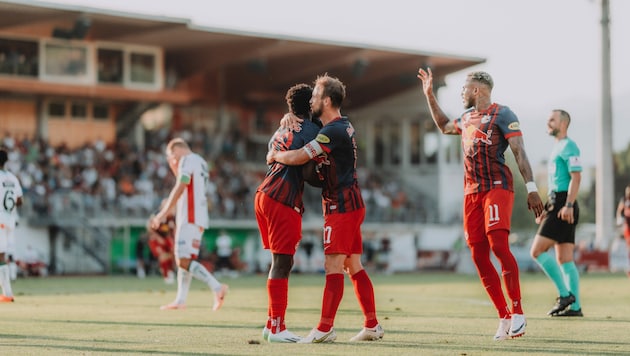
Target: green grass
<point x="423" y="314"/>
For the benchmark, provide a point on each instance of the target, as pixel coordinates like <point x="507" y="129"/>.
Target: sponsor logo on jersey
<point x="322" y="138"/>
<point x="485" y="119"/>
<point x="514" y="126"/>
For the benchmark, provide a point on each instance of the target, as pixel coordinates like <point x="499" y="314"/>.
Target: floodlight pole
<point x="604" y="200"/>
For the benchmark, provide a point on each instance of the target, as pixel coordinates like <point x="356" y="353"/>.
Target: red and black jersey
<point x="335" y="150"/>
<point x="484" y="141"/>
<point x="283" y="183"/>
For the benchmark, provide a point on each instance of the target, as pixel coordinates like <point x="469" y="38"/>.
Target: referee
<point x="557" y="224"/>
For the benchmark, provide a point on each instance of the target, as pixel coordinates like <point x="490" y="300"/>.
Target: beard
<point x="467" y="103"/>
<point x="316" y="112"/>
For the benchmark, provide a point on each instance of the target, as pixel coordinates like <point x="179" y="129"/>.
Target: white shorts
<point x="188" y="240"/>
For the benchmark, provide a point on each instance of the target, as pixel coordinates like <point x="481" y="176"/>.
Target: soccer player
<point x="11" y="193"/>
<point x="558" y="222"/>
<point x="487" y="129"/>
<point x="279" y="207"/>
<point x="189" y="195"/>
<point x="13" y="268"/>
<point x="335" y="149"/>
<point x="161" y="246"/>
<point x="623" y="214"/>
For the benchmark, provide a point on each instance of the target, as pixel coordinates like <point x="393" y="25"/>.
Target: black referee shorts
<point x="554" y="228"/>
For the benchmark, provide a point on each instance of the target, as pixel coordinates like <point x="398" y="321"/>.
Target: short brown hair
<point x="333" y="88"/>
<point x="564" y="116"/>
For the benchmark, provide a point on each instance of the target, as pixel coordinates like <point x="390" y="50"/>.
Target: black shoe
<point x="569" y="312"/>
<point x="561" y="304"/>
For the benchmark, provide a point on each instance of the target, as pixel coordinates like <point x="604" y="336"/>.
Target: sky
<point x="542" y="54"/>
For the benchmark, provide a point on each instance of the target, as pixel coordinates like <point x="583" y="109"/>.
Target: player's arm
<point x="290" y="158"/>
<point x="517" y="146"/>
<point x="439" y="117"/>
<point x="566" y="212"/>
<point x="301" y="155"/>
<point x="176" y="192"/>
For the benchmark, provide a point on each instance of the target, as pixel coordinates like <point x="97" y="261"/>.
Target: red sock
<point x="509" y="267"/>
<point x="268" y="325"/>
<point x="480" y="252"/>
<point x="364" y="291"/>
<point x="166" y="266"/>
<point x="333" y="292"/>
<point x="278" y="290"/>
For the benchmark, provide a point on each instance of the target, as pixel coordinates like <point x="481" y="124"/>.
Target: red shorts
<point x="159" y="246"/>
<point x="487" y="211"/>
<point x="280" y="226"/>
<point x="342" y="233"/>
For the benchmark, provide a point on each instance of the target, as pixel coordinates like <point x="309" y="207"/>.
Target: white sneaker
<point x="283" y="336"/>
<point x="503" y="330"/>
<point x="219" y="296"/>
<point x="519" y="323"/>
<point x="369" y="334"/>
<point x="265" y="333"/>
<point x="318" y="337"/>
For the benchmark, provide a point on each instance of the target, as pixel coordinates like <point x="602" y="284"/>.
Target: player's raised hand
<point x="427" y="80"/>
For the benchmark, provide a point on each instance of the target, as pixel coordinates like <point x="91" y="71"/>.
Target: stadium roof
<point x="243" y="68"/>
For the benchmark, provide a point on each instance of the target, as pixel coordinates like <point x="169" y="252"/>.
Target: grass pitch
<point x="422" y="314"/>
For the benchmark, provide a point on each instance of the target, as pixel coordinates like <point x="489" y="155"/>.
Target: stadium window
<point x="110" y="66"/>
<point x="100" y="112"/>
<point x="57" y="109"/>
<point x="18" y="57"/>
<point x="415" y="141"/>
<point x="66" y="62"/>
<point x="395" y="148"/>
<point x="142" y="68"/>
<point x="379" y="145"/>
<point x="78" y="111"/>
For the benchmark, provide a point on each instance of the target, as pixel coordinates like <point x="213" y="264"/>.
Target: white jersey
<point x="192" y="206"/>
<point x="10" y="191"/>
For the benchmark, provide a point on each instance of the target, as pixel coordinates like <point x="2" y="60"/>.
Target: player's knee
<point x="334" y="264"/>
<point x="183" y="263"/>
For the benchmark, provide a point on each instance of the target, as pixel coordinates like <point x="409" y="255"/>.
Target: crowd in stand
<point x="123" y="180"/>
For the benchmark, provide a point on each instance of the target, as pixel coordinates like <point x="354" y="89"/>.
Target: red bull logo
<point x="473" y="135"/>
